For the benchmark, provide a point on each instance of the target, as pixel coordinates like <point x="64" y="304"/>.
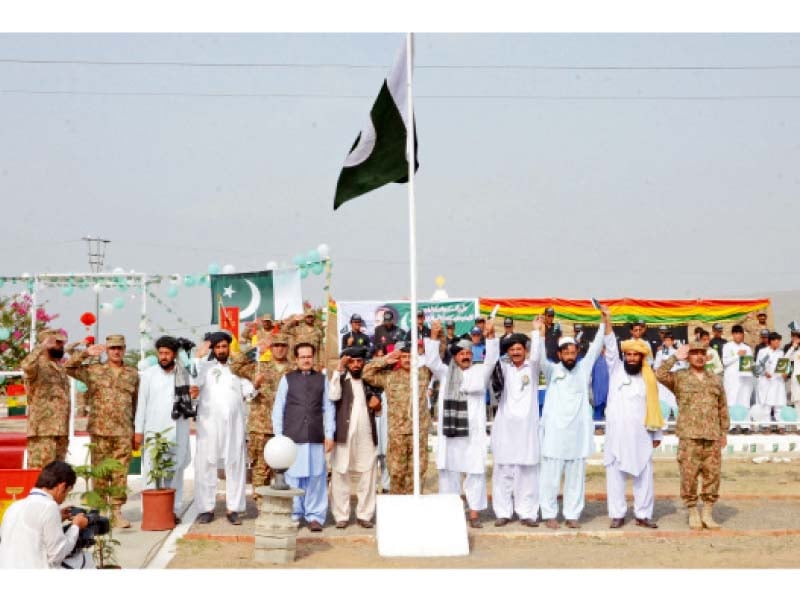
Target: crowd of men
<point x="355" y="422"/>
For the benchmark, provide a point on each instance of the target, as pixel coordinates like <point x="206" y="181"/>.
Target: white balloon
<point x="97" y="288"/>
<point x="280" y="452"/>
<point x="228" y="269"/>
<point x="324" y="250"/>
<point x="272" y="265"/>
<point x="118" y="271"/>
<point x="26" y="274"/>
<point x="106" y="308"/>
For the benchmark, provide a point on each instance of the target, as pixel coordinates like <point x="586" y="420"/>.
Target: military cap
<point x="57" y="333"/>
<point x="356" y="318"/>
<point x="550" y="311"/>
<point x="309" y="312"/>
<point x="475" y="331"/>
<point x="717" y="327"/>
<point x="388" y="316"/>
<point x="698" y="346"/>
<point x="219" y="336"/>
<point x="355" y="352"/>
<point x="266" y="317"/>
<point x="508" y="321"/>
<point x="450" y="323"/>
<point x="280" y="339"/>
<point x="764" y="333"/>
<point x="115" y="340"/>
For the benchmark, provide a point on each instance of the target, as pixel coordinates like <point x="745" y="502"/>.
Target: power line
<point x="287" y="65"/>
<point x="422" y="96"/>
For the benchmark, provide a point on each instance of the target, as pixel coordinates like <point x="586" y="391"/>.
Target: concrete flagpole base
<point x="433" y="525"/>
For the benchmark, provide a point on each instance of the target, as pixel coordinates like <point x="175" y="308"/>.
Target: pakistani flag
<point x="278" y="293"/>
<point x="378" y="155"/>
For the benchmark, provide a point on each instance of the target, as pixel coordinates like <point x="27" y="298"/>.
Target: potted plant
<point x="157" y="504"/>
<point x="100" y="490"/>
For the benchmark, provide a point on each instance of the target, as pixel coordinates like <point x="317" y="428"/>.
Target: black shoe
<point x="646" y="523"/>
<point x="234" y="519"/>
<point x="529" y="522"/>
<point x="314" y="526"/>
<point x="341" y="524"/>
<point x="617" y="523"/>
<point x="205" y="518"/>
<point x="501" y="522"/>
<point x="365" y="524"/>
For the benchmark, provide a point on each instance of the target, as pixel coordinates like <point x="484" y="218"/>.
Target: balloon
<point x="122" y="284"/>
<point x="439" y="281"/>
<point x="303" y="272"/>
<point x="316" y="268"/>
<point x="299" y="260"/>
<point x="188" y="280"/>
<point x="89" y="339"/>
<point x="2" y="379"/>
<point x="97" y="288"/>
<point x="172" y="291"/>
<point x="68" y="291"/>
<point x="665" y="408"/>
<point x="118" y="303"/>
<point x="313" y="256"/>
<point x="272" y="265"/>
<point x="5" y="333"/>
<point x="214" y="269"/>
<point x="88" y="319"/>
<point x="2" y="281"/>
<point x="152" y="360"/>
<point x="80" y="386"/>
<point x="203" y="280"/>
<point x="83" y="283"/>
<point x="737" y="413"/>
<point x="324" y="250"/>
<point x="118" y="271"/>
<point x="788" y="414"/>
<point x="106" y="308"/>
<point x="228" y="269"/>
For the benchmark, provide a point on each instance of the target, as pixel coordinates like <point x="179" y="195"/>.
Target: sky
<point x="551" y="164"/>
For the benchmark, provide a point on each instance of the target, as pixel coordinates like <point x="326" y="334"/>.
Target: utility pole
<point x="97" y="257"/>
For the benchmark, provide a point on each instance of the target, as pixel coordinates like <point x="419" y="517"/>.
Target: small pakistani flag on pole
<point x="277" y="293"/>
<point x="378" y="155"/>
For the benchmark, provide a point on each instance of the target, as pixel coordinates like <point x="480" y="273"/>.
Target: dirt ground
<point x="759" y="510"/>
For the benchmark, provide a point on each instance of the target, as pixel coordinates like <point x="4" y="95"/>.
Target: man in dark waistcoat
<point x="303" y="412"/>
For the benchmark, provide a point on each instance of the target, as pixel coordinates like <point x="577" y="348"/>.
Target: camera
<point x="182" y="408"/>
<point x="98" y="525"/>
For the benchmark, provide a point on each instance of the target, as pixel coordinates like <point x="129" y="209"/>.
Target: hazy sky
<point x="646" y="165"/>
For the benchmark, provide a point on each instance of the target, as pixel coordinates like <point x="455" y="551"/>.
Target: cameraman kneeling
<point x="31" y="536"/>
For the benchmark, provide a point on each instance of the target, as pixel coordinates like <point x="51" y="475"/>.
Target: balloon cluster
<point x="313" y="260"/>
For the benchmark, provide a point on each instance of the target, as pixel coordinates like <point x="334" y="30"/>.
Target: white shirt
<point x="515" y="432"/>
<point x="31" y="536"/>
<point x="628" y="443"/>
<point x="359" y="452"/>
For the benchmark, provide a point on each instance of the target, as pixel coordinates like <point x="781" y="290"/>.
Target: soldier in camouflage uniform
<point x="265" y="377"/>
<point x="307" y="331"/>
<point x="111" y="399"/>
<point x="396" y="383"/>
<point x="702" y="426"/>
<point x="47" y="388"/>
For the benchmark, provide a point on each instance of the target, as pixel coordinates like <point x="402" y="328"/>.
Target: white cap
<point x="564" y="340"/>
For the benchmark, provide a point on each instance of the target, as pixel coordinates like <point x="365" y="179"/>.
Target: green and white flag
<point x="278" y="293"/>
<point x="378" y="155"/>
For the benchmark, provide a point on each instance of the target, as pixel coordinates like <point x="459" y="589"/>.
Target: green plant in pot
<point x="157" y="504"/>
<point x="99" y="495"/>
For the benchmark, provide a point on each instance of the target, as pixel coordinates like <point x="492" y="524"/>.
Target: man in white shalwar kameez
<point x="463" y="451"/>
<point x="355" y="453"/>
<point x="629" y="442"/>
<point x="772" y="385"/>
<point x="567" y="429"/>
<point x="220" y="431"/>
<point x="154" y="415"/>
<point x="515" y="432"/>
<point x="738" y="384"/>
<point x="792" y="352"/>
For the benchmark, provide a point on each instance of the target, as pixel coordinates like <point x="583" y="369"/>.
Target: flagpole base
<point x="433" y="525"/>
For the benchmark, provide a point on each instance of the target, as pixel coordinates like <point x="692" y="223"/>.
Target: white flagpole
<point x="412" y="258"/>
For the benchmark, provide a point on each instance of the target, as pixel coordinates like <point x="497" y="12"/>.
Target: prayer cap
<point x="356" y="318"/>
<point x="565" y="341"/>
<point x="462" y="345"/>
<point x="167" y="341"/>
<point x="219" y="336"/>
<point x="115" y="340"/>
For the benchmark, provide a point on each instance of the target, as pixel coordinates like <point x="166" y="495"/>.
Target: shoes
<point x="341" y="524"/>
<point x="365" y="524"/>
<point x="551" y="523"/>
<point x="694" y="518"/>
<point x="475" y="523"/>
<point x="205" y="518"/>
<point x="646" y="523"/>
<point x="314" y="526"/>
<point x="572" y="524"/>
<point x="617" y="523"/>
<point x="706" y="518"/>
<point x="501" y="522"/>
<point x="233" y="518"/>
<point x="529" y="522"/>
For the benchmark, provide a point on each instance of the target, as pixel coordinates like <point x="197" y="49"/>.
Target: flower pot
<point x="157" y="512"/>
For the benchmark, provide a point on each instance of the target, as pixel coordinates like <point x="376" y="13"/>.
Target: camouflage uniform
<point x="47" y="389"/>
<point x="312" y="334"/>
<point x="396" y="383"/>
<point x="259" y="421"/>
<point x="111" y="399"/>
<point x="702" y="422"/>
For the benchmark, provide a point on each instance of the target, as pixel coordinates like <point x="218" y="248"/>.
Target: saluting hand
<point x="436" y="329"/>
<point x="96" y="350"/>
<point x="392" y="357"/>
<point x="203" y="349"/>
<point x="682" y="353"/>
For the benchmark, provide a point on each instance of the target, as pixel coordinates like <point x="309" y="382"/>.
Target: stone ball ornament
<point x="280" y="454"/>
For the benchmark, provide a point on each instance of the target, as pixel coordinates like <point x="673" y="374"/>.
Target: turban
<point x="514" y="338"/>
<point x="219" y="336"/>
<point x="355" y="352"/>
<point x="653" y="419"/>
<point x="167" y="341"/>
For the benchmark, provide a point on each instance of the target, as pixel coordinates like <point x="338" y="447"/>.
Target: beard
<point x="355" y="373"/>
<point x="569" y="364"/>
<point x="166" y="365"/>
<point x="56" y="353"/>
<point x="632" y="369"/>
<point x="221" y="358"/>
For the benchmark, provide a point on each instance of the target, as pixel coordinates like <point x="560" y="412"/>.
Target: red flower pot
<point x="157" y="511"/>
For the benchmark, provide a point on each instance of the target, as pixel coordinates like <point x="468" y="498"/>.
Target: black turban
<point x="219" y="336"/>
<point x="514" y="338"/>
<point x="355" y="352"/>
<point x="167" y="341"/>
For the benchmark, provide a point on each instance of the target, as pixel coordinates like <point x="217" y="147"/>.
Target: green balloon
<point x="2" y="379"/>
<point x="303" y="271"/>
<point x="188" y="280"/>
<point x="80" y="386"/>
<point x="316" y="268"/>
<point x="68" y="291"/>
<point x="118" y="303"/>
<point x="172" y="291"/>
